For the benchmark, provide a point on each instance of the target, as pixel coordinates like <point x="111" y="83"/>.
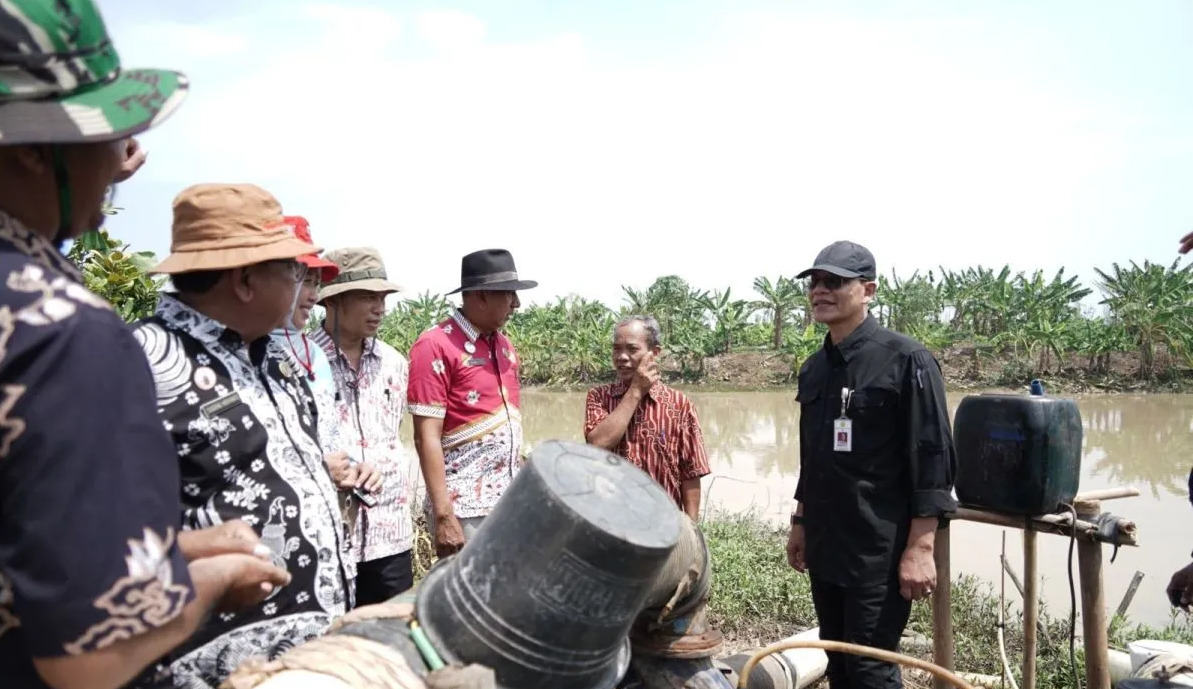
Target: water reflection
<point x="1144" y="441"/>
<point x="1140" y="440"/>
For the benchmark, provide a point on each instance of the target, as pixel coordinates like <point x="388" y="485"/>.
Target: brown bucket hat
<point x="361" y="267"/>
<point x="222" y="226"/>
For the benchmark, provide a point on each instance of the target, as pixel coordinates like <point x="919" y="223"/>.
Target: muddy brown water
<point x="1145" y="441"/>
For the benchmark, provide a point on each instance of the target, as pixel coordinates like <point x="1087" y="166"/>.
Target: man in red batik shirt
<point x="649" y="423"/>
<point x="464" y="397"/>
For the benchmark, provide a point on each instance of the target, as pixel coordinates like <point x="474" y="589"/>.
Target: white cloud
<point x="451" y="31"/>
<point x="742" y="162"/>
<point x="362" y="30"/>
<point x="195" y="41"/>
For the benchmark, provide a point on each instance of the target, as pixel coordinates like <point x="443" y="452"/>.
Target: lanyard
<point x="308" y="364"/>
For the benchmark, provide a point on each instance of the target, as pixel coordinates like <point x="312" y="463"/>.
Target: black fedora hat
<point x="490" y="269"/>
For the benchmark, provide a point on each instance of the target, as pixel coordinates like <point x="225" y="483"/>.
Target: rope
<point x="355" y="661"/>
<point x="855" y="649"/>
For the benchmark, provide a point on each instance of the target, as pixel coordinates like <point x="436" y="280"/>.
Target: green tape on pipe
<point x="425" y="649"/>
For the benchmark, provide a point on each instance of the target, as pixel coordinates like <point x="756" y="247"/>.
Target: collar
<point x="322" y="338"/>
<point x="850" y="346"/>
<point x="619" y="388"/>
<point x="36" y="247"/>
<point x="179" y="316"/>
<point x="466" y="326"/>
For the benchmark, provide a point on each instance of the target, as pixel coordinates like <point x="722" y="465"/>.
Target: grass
<point x="758" y="599"/>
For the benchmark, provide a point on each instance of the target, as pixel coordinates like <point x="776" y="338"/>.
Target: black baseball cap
<point x="846" y="259"/>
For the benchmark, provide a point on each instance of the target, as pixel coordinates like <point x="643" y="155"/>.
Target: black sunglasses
<point x="831" y="282"/>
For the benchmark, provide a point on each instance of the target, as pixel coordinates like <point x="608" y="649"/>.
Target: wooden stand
<point x="1089" y="555"/>
<point x="1093" y="603"/>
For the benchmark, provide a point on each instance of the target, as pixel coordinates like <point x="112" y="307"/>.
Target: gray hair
<point x="654" y="336"/>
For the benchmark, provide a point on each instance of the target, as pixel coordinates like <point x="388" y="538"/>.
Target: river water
<point x="1145" y="441"/>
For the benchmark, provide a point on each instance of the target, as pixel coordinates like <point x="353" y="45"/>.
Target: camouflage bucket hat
<point x="61" y="80"/>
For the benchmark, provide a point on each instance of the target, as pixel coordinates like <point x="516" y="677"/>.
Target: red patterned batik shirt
<point x="471" y="382"/>
<point x="663" y="438"/>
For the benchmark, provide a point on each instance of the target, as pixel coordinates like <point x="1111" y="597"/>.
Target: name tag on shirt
<point x="843" y="435"/>
<point x="218" y="406"/>
<point x="476" y="361"/>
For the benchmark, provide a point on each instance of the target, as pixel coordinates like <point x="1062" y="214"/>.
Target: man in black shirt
<point x="876" y="469"/>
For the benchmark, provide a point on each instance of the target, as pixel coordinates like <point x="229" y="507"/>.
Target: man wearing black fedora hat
<point x="464" y="396"/>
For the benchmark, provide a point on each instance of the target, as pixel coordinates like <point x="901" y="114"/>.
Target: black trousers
<point x="379" y="580"/>
<point x="870" y="616"/>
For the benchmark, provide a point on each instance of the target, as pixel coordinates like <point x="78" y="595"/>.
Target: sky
<point x="606" y="144"/>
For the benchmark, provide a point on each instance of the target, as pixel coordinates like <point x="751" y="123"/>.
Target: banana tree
<point x="729" y="317"/>
<point x="780" y="299"/>
<point x="1154" y="304"/>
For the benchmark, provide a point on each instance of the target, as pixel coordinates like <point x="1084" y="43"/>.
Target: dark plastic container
<point x="1017" y="454"/>
<point x="546" y="591"/>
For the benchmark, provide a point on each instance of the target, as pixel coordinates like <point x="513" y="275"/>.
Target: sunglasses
<point x="829" y="281"/>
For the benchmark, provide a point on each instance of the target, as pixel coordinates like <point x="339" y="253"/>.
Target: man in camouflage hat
<point x="96" y="582"/>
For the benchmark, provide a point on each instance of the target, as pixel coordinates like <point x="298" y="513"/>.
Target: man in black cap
<point x="464" y="396"/>
<point x="876" y="469"/>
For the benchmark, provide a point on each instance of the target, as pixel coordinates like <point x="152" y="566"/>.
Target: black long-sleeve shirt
<point x="858" y="505"/>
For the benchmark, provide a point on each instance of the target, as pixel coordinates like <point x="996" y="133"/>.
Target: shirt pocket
<point x="809" y="397"/>
<point x="875" y="417"/>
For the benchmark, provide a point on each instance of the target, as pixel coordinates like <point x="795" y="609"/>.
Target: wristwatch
<point x="797" y="520"/>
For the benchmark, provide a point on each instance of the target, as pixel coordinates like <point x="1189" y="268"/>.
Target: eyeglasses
<point x="298" y="271"/>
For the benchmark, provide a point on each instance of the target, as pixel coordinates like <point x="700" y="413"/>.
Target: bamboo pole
<point x="1129" y="596"/>
<point x="942" y="607"/>
<point x="1045" y="523"/>
<point x="1093" y="604"/>
<point x="1108" y="493"/>
<point x="1031" y="607"/>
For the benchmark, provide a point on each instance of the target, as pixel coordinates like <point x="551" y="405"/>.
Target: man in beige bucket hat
<point x="243" y="419"/>
<point x="370" y="378"/>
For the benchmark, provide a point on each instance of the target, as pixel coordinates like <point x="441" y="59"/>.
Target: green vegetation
<point x="987" y="326"/>
<point x="116" y="274"/>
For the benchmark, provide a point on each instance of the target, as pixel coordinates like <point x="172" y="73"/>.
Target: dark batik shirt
<point x="88" y="491"/>
<point x="858" y="505"/>
<point x="243" y="422"/>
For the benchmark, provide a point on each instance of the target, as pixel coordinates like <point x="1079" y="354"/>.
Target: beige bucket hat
<point x="361" y="268"/>
<point x="221" y="226"/>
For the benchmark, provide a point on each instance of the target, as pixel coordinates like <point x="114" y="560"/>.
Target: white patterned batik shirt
<point x="369" y="405"/>
<point x="243" y="425"/>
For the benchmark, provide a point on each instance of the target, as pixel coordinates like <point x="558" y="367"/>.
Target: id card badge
<point x="843" y="435"/>
<point x="843" y="425"/>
